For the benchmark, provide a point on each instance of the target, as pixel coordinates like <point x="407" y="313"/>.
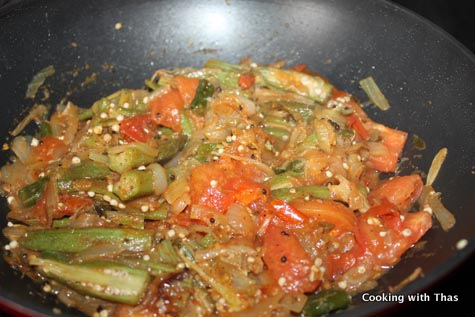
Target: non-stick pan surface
<point x="426" y="75"/>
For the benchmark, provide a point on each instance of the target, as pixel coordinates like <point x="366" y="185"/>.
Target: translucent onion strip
<point x="436" y="165"/>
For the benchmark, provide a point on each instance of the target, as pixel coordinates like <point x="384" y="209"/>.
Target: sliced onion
<point x="374" y="93"/>
<point x="248" y="107"/>
<point x="70" y="119"/>
<point x="35" y="113"/>
<point x="160" y="180"/>
<point x="176" y="190"/>
<point x="240" y="220"/>
<point x="436" y="165"/>
<point x="265" y="168"/>
<point x="21" y="148"/>
<point x="180" y="204"/>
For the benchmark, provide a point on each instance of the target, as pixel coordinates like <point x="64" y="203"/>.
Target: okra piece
<point x="293" y="168"/>
<point x="166" y="253"/>
<point x="150" y="84"/>
<point x="86" y="114"/>
<point x="128" y="159"/>
<point x="86" y="169"/>
<point x="203" y="153"/>
<point x="281" y="181"/>
<point x="159" y="214"/>
<point x="203" y="92"/>
<point x="154" y="268"/>
<point x="61" y="223"/>
<point x="207" y="241"/>
<point x="127" y="220"/>
<point x="169" y="147"/>
<point x="107" y="280"/>
<point x="44" y="129"/>
<point x="289" y="194"/>
<point x="299" y="110"/>
<point x="313" y="87"/>
<point x="279" y="133"/>
<point x="30" y="194"/>
<point x="325" y="302"/>
<point x="186" y="125"/>
<point x="133" y="184"/>
<point x="228" y="67"/>
<point x="77" y="240"/>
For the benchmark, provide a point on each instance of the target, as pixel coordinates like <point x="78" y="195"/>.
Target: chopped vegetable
<point x="30" y="194"/>
<point x="436" y="165"/>
<point x="375" y="95"/>
<point x="287" y="194"/>
<point x="325" y="302"/>
<point x="205" y="90"/>
<point x="38" y="80"/>
<point x="128" y="159"/>
<point x="312" y="87"/>
<point x="77" y="240"/>
<point x="37" y="112"/>
<point x="234" y="190"/>
<point x="133" y="184"/>
<point x="110" y="281"/>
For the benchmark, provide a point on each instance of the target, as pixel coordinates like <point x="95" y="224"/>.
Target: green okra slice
<point x="30" y="194"/>
<point x="106" y="280"/>
<point x="133" y="184"/>
<point x="77" y="240"/>
<point x="128" y="159"/>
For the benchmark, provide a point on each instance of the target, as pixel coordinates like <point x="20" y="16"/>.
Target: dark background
<point x="457" y="17"/>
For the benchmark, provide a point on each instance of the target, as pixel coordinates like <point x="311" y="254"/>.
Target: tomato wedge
<point x="387" y="235"/>
<point x="49" y="148"/>
<point x="187" y="87"/>
<point x="394" y="141"/>
<point x="138" y="128"/>
<point x="402" y="191"/>
<point x="165" y="109"/>
<point x="287" y="213"/>
<point x="246" y="80"/>
<point x="354" y="122"/>
<point x="288" y="263"/>
<point x="219" y="184"/>
<point x="70" y="204"/>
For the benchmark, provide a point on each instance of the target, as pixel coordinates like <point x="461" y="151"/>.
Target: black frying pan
<point x="426" y="75"/>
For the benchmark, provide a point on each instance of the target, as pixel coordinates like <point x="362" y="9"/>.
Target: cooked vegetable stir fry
<point x="232" y="190"/>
